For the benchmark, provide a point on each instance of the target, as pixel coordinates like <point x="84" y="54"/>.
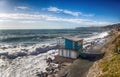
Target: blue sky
<point x="57" y="14"/>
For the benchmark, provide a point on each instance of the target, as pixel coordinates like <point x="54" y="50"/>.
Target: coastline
<point x="82" y="67"/>
<point x="97" y="68"/>
<point x="31" y="61"/>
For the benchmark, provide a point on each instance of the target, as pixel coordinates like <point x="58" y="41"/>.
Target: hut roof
<point x="73" y="38"/>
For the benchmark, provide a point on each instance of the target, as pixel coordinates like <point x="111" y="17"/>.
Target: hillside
<point x="108" y="27"/>
<point x="113" y="26"/>
<point x="110" y="64"/>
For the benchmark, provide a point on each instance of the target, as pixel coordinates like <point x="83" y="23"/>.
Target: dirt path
<point x="79" y="68"/>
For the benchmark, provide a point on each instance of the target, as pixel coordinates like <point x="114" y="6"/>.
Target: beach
<point x="59" y="38"/>
<point x="28" y="61"/>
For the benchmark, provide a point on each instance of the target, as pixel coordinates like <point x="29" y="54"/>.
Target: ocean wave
<point x="25" y="61"/>
<point x="25" y="37"/>
<point x="25" y="66"/>
<point x="23" y="50"/>
<point x="12" y="53"/>
<point x="96" y="38"/>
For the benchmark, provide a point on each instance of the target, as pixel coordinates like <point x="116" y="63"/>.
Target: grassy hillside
<point x="110" y="65"/>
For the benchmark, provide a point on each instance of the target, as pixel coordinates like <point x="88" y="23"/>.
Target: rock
<point x="51" y="75"/>
<point x="42" y="74"/>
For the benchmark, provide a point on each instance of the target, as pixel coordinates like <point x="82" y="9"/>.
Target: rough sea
<point x="32" y="37"/>
<point x="24" y="52"/>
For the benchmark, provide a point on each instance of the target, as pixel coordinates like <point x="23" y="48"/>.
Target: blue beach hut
<point x="70" y="47"/>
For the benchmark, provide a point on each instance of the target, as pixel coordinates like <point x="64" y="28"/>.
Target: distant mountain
<point x="113" y="26"/>
<point x="89" y="28"/>
<point x="108" y="27"/>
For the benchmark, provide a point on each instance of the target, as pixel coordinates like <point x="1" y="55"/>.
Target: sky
<point x="58" y="14"/>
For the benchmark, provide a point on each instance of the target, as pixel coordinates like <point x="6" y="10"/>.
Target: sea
<point x="23" y="53"/>
<point x="30" y="37"/>
<point x="42" y="40"/>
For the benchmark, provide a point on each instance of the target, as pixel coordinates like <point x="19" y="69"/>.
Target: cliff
<point x="110" y="64"/>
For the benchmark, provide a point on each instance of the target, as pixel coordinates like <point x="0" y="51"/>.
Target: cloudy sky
<point x="57" y="14"/>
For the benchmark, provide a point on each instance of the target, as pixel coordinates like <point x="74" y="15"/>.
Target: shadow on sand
<point x="81" y="66"/>
<point x="91" y="56"/>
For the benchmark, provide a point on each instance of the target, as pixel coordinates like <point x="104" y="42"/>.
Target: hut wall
<point x="76" y="46"/>
<point x="68" y="44"/>
<point x="72" y="45"/>
<point x="60" y="52"/>
<point x="73" y="54"/>
<point x="68" y="53"/>
<point x="65" y="53"/>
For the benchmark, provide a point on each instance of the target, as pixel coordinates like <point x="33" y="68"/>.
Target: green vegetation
<point x="111" y="67"/>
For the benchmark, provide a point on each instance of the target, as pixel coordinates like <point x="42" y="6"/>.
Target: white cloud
<point x="57" y="10"/>
<point x="83" y="22"/>
<point x="28" y="18"/>
<point x="1" y="20"/>
<point x="54" y="9"/>
<point x="72" y="13"/>
<point x="21" y="8"/>
<point x="5" y="20"/>
<point x="27" y="21"/>
<point x="22" y="16"/>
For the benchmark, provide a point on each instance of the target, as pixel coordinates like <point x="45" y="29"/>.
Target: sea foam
<point x="29" y="60"/>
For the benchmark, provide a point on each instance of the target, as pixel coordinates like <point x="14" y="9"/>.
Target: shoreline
<point x="27" y="60"/>
<point x="79" y="67"/>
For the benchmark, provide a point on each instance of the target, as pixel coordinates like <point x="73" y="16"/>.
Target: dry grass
<point x="111" y="67"/>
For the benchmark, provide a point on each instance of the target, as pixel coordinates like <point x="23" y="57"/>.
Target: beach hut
<point x="70" y="46"/>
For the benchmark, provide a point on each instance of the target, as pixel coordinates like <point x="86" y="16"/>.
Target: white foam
<point x="101" y="35"/>
<point x="26" y="66"/>
<point x="28" y="49"/>
<point x="95" y="38"/>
